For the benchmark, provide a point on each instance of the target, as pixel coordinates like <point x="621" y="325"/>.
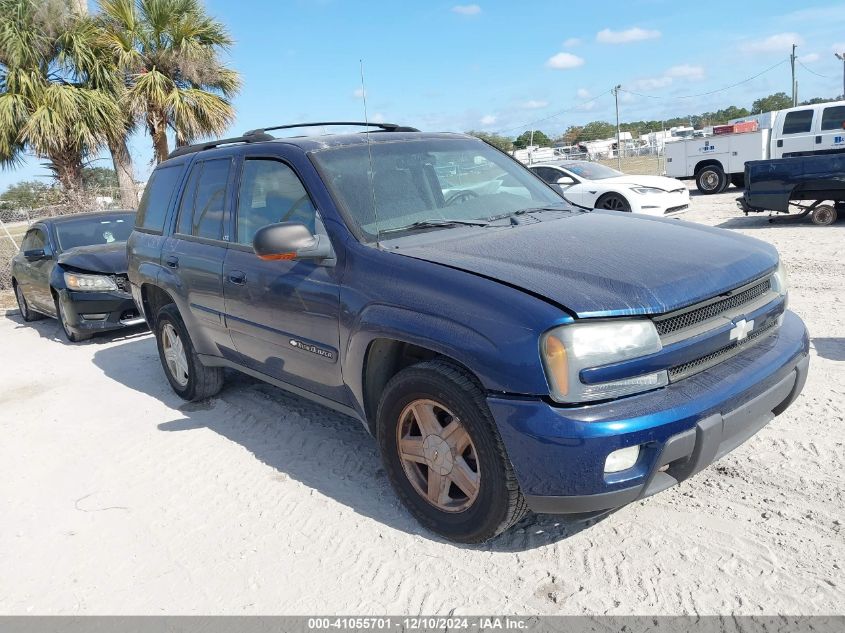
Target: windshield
<point x="429" y="179"/>
<point x="591" y="171"/>
<point x="102" y="229"/>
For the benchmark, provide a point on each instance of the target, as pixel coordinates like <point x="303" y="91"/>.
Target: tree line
<point x="73" y="84"/>
<point x="594" y="130"/>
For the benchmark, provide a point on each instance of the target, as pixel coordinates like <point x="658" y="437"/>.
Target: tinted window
<point x="833" y="118"/>
<point x="209" y="200"/>
<point x="154" y="204"/>
<point x="96" y="230"/>
<point x="548" y="174"/>
<point x="271" y="192"/>
<point x="35" y="239"/>
<point x="186" y="208"/>
<point x="797" y="122"/>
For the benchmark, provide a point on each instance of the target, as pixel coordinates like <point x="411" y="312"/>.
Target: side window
<point x="548" y="174"/>
<point x="204" y="200"/>
<point x="154" y="204"/>
<point x="35" y="239"/>
<point x="833" y="118"/>
<point x="798" y="121"/>
<point x="271" y="192"/>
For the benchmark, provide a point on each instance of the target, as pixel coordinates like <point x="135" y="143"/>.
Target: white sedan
<point x="595" y="186"/>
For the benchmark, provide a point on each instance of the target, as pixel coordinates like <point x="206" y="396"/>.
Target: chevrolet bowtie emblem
<point x="741" y="330"/>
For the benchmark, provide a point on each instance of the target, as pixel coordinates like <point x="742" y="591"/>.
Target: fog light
<point x="622" y="459"/>
<point x="97" y="316"/>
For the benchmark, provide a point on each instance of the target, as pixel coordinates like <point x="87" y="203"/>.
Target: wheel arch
<point x="708" y="162"/>
<point x="153" y="298"/>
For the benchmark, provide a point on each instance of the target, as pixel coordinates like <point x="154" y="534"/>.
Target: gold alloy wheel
<point x="438" y="456"/>
<point x="174" y="354"/>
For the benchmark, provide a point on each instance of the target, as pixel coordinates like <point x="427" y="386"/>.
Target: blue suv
<point x="508" y="351"/>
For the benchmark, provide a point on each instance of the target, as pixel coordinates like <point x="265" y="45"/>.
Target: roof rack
<point x="260" y="134"/>
<point x="386" y="127"/>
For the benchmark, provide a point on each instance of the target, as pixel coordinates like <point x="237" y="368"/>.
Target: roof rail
<point x="386" y="127"/>
<point x="249" y="137"/>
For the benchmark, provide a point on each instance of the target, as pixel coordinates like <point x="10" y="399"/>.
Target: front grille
<point x="683" y="207"/>
<point x="705" y="362"/>
<point x="672" y="323"/>
<point x="122" y="282"/>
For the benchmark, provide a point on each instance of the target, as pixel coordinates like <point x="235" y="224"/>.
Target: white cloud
<point x="487" y="119"/>
<point x="777" y="43"/>
<point x="838" y="48"/>
<point x="686" y="71"/>
<point x="572" y="42"/>
<point x="810" y="57"/>
<point x="583" y="93"/>
<point x="651" y="83"/>
<point x="358" y="93"/>
<point x="563" y="61"/>
<point x="466" y="9"/>
<point x="378" y="117"/>
<point x="534" y="104"/>
<point x="634" y="34"/>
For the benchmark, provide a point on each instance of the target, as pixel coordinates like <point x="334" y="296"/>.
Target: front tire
<point x="614" y="202"/>
<point x="443" y="453"/>
<point x="189" y="378"/>
<point x="70" y="334"/>
<point x="27" y="313"/>
<point x="711" y="179"/>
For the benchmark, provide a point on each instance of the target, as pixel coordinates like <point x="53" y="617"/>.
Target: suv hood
<point x="99" y="258"/>
<point x="605" y="263"/>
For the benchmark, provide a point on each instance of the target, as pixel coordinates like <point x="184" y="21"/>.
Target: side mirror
<point x="565" y="180"/>
<point x="35" y="254"/>
<point x="290" y="240"/>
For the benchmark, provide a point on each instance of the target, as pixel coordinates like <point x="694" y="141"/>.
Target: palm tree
<point x="47" y="103"/>
<point x="170" y="51"/>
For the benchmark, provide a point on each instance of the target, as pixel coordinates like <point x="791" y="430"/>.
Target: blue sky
<point x="500" y="65"/>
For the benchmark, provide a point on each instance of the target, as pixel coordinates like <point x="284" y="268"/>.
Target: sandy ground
<point x="119" y="498"/>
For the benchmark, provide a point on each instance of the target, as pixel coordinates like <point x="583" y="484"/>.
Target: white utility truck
<point x="717" y="161"/>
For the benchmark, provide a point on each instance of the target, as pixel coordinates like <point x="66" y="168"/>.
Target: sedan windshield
<point x="591" y="171"/>
<point x="101" y="229"/>
<point x="426" y="183"/>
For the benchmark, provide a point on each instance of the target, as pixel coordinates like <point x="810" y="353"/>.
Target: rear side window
<point x="833" y="118"/>
<point x="152" y="210"/>
<point x="204" y="201"/>
<point x="797" y="122"/>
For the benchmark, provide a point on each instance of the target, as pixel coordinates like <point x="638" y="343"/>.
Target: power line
<point x="552" y="116"/>
<point x="815" y="73"/>
<point x="711" y="92"/>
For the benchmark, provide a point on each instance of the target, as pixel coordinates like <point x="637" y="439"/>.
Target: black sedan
<point x="73" y="268"/>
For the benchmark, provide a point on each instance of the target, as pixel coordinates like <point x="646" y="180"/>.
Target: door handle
<point x="172" y="261"/>
<point x="818" y="139"/>
<point x="237" y="277"/>
<point x="780" y="142"/>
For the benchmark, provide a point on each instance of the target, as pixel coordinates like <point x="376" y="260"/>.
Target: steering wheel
<point x="460" y="196"/>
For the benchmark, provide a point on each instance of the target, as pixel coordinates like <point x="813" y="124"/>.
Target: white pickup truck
<point x="717" y="161"/>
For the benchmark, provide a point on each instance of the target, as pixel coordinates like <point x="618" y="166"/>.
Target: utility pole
<point x="618" y="141"/>
<point x="842" y="57"/>
<point x="794" y="85"/>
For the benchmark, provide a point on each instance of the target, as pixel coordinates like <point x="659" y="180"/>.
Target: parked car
<point x="807" y="183"/>
<point x="719" y="161"/>
<point x="73" y="268"/>
<point x="507" y="352"/>
<point x="597" y="186"/>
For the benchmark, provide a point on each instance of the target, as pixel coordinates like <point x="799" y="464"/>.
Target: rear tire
<point x="189" y="378"/>
<point x="824" y="215"/>
<point x="711" y="179"/>
<point x="27" y="313"/>
<point x="738" y="180"/>
<point x="458" y="483"/>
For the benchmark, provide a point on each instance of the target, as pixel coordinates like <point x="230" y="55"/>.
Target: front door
<point x="35" y="283"/>
<point x="283" y="316"/>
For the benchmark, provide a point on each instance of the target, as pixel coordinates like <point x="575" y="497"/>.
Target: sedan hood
<point x="661" y="182"/>
<point x="605" y="263"/>
<point x="99" y="258"/>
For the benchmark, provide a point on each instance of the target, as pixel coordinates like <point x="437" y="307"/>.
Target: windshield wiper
<point x="433" y="223"/>
<point x="514" y="214"/>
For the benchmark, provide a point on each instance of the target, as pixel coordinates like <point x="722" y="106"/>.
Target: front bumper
<point x="669" y="203"/>
<point x="558" y="453"/>
<point x="99" y="311"/>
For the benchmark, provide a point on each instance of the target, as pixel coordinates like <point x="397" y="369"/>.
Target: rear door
<point x="830" y="136"/>
<point x="196" y="251"/>
<point x="794" y="133"/>
<point x="283" y="316"/>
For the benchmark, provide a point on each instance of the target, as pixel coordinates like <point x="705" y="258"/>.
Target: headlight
<point x="647" y="190"/>
<point x="780" y="280"/>
<point x="568" y="349"/>
<point x="94" y="283"/>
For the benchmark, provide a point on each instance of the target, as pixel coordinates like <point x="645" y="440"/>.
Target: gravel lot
<point x="119" y="498"/>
